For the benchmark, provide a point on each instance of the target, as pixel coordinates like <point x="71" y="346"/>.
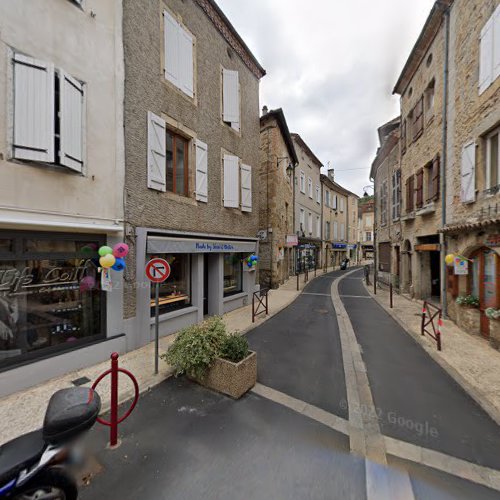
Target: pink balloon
<point x="120" y="250"/>
<point x="87" y="283"/>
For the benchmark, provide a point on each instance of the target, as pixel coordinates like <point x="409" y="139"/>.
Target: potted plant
<point x="468" y="315"/>
<point x="215" y="359"/>
<point x="493" y="314"/>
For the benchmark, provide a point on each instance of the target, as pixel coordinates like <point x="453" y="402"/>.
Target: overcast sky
<point x="331" y="65"/>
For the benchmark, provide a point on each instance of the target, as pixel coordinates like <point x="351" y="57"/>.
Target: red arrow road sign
<point x="157" y="270"/>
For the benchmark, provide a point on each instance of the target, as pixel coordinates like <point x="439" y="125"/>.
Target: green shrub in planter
<point x="467" y="301"/>
<point x="196" y="347"/>
<point x="234" y="348"/>
<point x="492" y="313"/>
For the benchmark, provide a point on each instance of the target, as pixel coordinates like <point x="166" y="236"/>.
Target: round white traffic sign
<point x="157" y="270"/>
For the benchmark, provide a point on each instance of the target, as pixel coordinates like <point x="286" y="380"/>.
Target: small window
<point x="310" y="187"/>
<point x="302" y="182"/>
<point x="492" y="160"/>
<point x="231" y="98"/>
<point x="410" y="92"/>
<point x="177" y="164"/>
<point x="318" y="195"/>
<point x="302" y="219"/>
<point x="233" y="274"/>
<point x="429" y="60"/>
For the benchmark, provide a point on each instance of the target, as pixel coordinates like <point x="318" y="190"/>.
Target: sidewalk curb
<point x="476" y="394"/>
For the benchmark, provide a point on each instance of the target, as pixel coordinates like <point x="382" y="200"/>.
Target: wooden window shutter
<point x="468" y="174"/>
<point x="186" y="62"/>
<point x="246" y="188"/>
<point x="420" y="188"/>
<point x="201" y="171"/>
<point x="410" y="193"/>
<point x="157" y="152"/>
<point x="171" y="40"/>
<point x="403" y="137"/>
<point x="419" y="118"/>
<point x="71" y="112"/>
<point x="435" y="178"/>
<point x="34" y="116"/>
<point x="486" y="56"/>
<point x="231" y="181"/>
<point x="496" y="44"/>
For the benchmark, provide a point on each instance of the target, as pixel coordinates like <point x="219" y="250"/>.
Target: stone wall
<point x="275" y="204"/>
<point x="147" y="90"/>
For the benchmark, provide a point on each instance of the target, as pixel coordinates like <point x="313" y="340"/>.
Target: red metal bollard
<point x="114" y="420"/>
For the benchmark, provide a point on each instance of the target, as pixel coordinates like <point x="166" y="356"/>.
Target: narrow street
<point x="292" y="436"/>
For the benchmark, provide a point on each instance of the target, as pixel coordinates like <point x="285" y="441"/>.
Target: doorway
<point x="435" y="274"/>
<point x="205" y="284"/>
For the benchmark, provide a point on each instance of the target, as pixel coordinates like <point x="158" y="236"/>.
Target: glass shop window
<point x="175" y="292"/>
<point x="50" y="297"/>
<point x="233" y="273"/>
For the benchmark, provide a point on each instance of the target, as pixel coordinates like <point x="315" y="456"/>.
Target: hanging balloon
<point x="120" y="250"/>
<point x="87" y="283"/>
<point x="449" y="259"/>
<point x="107" y="260"/>
<point x="119" y="265"/>
<point x="105" y="250"/>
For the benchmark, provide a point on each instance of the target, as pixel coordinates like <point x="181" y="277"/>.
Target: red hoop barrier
<point x="113" y="423"/>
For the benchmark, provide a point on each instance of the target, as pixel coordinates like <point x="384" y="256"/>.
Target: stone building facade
<point x="308" y="208"/>
<point x="276" y="199"/>
<point x="192" y="160"/>
<point x="339" y="221"/>
<point x="386" y="175"/>
<point x="421" y="88"/>
<point x="366" y="225"/>
<point x="61" y="186"/>
<point x="472" y="227"/>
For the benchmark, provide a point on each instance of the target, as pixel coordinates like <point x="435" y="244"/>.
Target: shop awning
<point x="167" y="244"/>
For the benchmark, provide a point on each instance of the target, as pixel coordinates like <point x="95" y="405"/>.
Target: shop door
<point x="205" y="284"/>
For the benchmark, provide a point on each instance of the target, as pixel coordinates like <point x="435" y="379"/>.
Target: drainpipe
<point x="444" y="160"/>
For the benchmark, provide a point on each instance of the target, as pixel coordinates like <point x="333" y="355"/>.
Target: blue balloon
<point x="119" y="265"/>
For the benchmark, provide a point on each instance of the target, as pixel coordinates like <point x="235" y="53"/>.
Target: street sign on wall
<point x="461" y="266"/>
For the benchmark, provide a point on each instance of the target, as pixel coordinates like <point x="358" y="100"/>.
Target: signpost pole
<point x="157" y="324"/>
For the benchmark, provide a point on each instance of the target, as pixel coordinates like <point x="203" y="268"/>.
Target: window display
<point x="233" y="269"/>
<point x="50" y="298"/>
<point x="175" y="292"/>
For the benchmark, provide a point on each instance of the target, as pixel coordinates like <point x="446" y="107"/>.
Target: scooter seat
<point x="70" y="412"/>
<point x="20" y="453"/>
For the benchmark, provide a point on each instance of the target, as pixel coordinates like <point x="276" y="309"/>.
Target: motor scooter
<point x="36" y="466"/>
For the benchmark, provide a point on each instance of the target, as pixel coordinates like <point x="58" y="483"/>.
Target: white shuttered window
<point x="231" y="98"/>
<point x="201" y="171"/>
<point x="71" y="114"/>
<point x="179" y="57"/>
<point x="231" y="181"/>
<point x="246" y="188"/>
<point x="468" y="174"/>
<point x="489" y="53"/>
<point x="34" y="91"/>
<point x="318" y="227"/>
<point x="335" y="230"/>
<point x="342" y="231"/>
<point x="156" y="152"/>
<point x="310" y="223"/>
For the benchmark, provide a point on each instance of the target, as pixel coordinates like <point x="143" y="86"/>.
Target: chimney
<point x="264" y="110"/>
<point x="331" y="174"/>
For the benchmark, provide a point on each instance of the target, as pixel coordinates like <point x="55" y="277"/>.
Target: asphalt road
<point x="299" y="349"/>
<point x="186" y="442"/>
<point x="416" y="400"/>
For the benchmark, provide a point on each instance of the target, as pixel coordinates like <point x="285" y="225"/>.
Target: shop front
<point x="209" y="276"/>
<point x="52" y="304"/>
<point x="339" y="253"/>
<point x="307" y="256"/>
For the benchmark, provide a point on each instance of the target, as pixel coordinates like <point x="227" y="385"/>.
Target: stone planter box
<point x="468" y="319"/>
<point x="233" y="379"/>
<point x="495" y="333"/>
